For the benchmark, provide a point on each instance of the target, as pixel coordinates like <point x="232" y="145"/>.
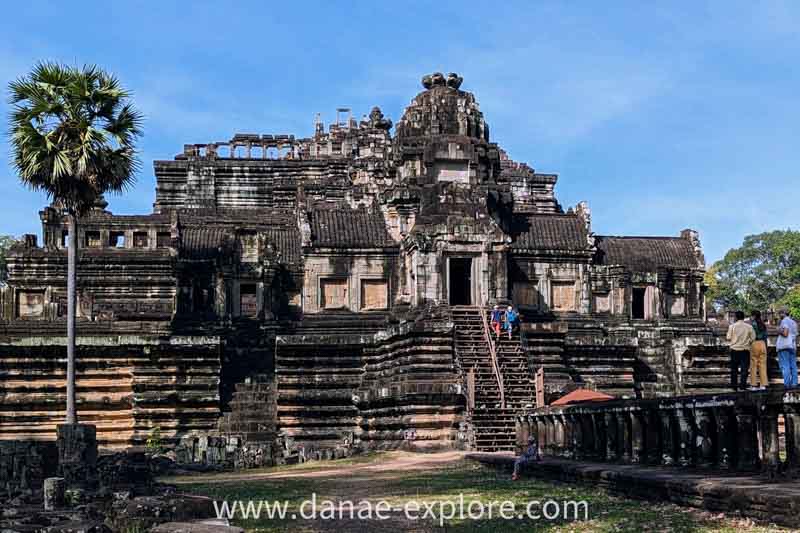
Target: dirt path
<point x="350" y="482"/>
<point x="398" y="462"/>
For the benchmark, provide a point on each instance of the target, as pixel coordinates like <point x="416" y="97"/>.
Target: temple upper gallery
<point x="333" y="291"/>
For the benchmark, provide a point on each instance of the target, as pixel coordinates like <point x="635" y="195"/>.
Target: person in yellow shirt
<point x="741" y="335"/>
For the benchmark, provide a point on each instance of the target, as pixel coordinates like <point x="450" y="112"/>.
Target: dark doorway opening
<point x="637" y="307"/>
<point x="460" y="281"/>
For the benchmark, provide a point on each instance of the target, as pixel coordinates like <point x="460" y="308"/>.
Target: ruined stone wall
<point x="24" y="464"/>
<point x="397" y="388"/>
<point x="112" y="285"/>
<point x="316" y="377"/>
<point x="242" y="183"/>
<point x="411" y="394"/>
<point x="126" y="385"/>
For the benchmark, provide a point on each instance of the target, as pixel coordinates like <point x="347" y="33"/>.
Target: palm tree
<point x="73" y="133"/>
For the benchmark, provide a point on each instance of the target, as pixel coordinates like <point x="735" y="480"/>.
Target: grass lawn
<point x="382" y="477"/>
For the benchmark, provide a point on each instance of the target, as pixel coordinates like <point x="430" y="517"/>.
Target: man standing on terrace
<point x="741" y="335"/>
<point x="786" y="346"/>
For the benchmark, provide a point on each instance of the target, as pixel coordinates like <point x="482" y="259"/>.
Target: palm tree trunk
<point x="72" y="254"/>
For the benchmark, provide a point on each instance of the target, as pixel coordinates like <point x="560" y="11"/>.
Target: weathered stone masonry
<point x="341" y="279"/>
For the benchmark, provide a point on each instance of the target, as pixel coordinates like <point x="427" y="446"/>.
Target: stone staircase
<point x="253" y="410"/>
<point x="494" y="425"/>
<point x="708" y="371"/>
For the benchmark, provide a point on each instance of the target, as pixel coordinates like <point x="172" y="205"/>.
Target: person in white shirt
<point x="786" y="345"/>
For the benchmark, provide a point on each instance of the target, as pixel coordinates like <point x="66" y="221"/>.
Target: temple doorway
<point x="460" y="280"/>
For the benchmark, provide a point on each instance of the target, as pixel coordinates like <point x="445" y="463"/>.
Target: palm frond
<point x="73" y="133"/>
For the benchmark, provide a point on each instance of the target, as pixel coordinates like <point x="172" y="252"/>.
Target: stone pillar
<point x="704" y="443"/>
<point x="726" y="436"/>
<point x="53" y="493"/>
<point x="522" y="434"/>
<point x="600" y="438"/>
<point x="668" y="452"/>
<point x="541" y="430"/>
<point x="612" y="437"/>
<point x="652" y="436"/>
<point x="685" y="437"/>
<point x="746" y="441"/>
<point x="552" y="445"/>
<point x="769" y="435"/>
<point x="637" y="454"/>
<point x="624" y="435"/>
<point x="792" y="419"/>
<point x="77" y="454"/>
<point x="576" y="446"/>
<point x="587" y="436"/>
<point x="562" y="435"/>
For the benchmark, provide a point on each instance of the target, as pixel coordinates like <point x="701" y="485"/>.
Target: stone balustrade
<point x="736" y="431"/>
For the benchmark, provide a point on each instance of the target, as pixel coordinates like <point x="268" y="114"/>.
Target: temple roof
<point x="202" y="242"/>
<point x="349" y="228"/>
<point x="208" y="242"/>
<point x="646" y="254"/>
<point x="549" y="232"/>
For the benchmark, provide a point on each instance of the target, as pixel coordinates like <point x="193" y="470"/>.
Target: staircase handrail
<point x="493" y="353"/>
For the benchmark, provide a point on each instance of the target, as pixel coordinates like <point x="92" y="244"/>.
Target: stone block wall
<point x="127" y="385"/>
<point x="411" y="395"/>
<point x="24" y="464"/>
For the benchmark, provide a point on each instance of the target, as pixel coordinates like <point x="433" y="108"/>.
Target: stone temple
<point x="331" y="293"/>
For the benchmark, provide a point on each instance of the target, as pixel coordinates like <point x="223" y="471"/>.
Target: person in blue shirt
<point x="497" y="320"/>
<point x="512" y="318"/>
<point x="786" y="345"/>
<point x="529" y="456"/>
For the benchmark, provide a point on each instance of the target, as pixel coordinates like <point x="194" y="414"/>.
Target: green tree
<point x="6" y="241"/>
<point x="758" y="274"/>
<point x="73" y="133"/>
<point x="792" y="301"/>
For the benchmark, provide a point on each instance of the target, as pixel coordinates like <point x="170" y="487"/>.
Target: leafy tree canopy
<point x="762" y="273"/>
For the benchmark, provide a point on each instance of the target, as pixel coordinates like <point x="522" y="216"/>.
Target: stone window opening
<point x="335" y="294"/>
<point x="248" y="301"/>
<point x="116" y="239"/>
<point x="163" y="239"/>
<point x="64" y="239"/>
<point x="638" y="303"/>
<point x="374" y="294"/>
<point x="92" y="239"/>
<point x="140" y="239"/>
<point x="525" y="292"/>
<point x="563" y="296"/>
<point x="30" y="304"/>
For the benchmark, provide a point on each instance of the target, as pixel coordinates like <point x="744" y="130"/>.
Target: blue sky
<point x="662" y="115"/>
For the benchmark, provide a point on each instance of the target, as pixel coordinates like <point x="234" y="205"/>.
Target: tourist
<point x="512" y="317"/>
<point x="786" y="345"/>
<point x="759" y="379"/>
<point x="741" y="335"/>
<point x="529" y="456"/>
<point x="497" y="320"/>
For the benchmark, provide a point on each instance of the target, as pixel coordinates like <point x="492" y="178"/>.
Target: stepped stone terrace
<point x="331" y="293"/>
